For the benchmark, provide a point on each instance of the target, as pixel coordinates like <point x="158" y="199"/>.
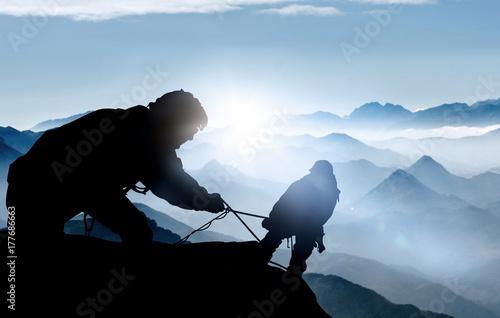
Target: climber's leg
<point x="121" y="216"/>
<point x="302" y="249"/>
<point x="270" y="243"/>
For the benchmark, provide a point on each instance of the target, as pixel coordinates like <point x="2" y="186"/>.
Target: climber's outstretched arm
<point x="173" y="184"/>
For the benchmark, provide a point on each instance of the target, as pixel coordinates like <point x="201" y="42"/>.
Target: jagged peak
<point x="401" y="178"/>
<point x="427" y="162"/>
<point x="376" y="106"/>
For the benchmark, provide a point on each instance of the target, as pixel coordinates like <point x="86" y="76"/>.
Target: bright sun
<point x="246" y="114"/>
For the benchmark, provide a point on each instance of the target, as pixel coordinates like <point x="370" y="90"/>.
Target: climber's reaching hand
<point x="215" y="203"/>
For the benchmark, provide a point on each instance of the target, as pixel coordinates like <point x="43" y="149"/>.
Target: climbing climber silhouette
<point x="301" y="212"/>
<point x="90" y="164"/>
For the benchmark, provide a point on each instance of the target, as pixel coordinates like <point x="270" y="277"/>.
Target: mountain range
<point x="7" y="155"/>
<point x="402" y="221"/>
<point x="481" y="284"/>
<point x="398" y="285"/>
<point x="300" y="151"/>
<point x="77" y="227"/>
<point x="343" y="299"/>
<point x="167" y="222"/>
<point x="18" y="140"/>
<point x="375" y="114"/>
<point x="391" y="116"/>
<point x="467" y="155"/>
<point x="481" y="190"/>
<point x="53" y="123"/>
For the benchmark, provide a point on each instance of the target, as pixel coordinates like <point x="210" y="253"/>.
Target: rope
<point x="246" y="213"/>
<point x="226" y="211"/>
<point x="203" y="227"/>
<point x="241" y="220"/>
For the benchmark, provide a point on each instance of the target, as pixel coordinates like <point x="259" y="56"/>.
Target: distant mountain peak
<point x="213" y="164"/>
<point x="217" y="170"/>
<point x="376" y="110"/>
<point x="494" y="102"/>
<point x="427" y="163"/>
<point x="400" y="181"/>
<point x="339" y="137"/>
<point x="401" y="174"/>
<point x="386" y="106"/>
<point x="54" y="123"/>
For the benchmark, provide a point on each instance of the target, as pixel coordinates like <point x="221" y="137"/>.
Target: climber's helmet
<point x="178" y="116"/>
<point x="322" y="167"/>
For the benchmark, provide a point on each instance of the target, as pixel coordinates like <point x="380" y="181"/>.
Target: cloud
<point x="298" y="9"/>
<point x="95" y="10"/>
<point x="408" y="2"/>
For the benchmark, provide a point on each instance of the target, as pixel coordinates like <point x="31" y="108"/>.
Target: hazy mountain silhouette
<point x="393" y="116"/>
<point x="479" y="190"/>
<point x="342" y="147"/>
<point x="488" y="103"/>
<point x="484" y="188"/>
<point x="167" y="222"/>
<point x="468" y="155"/>
<point x="377" y="114"/>
<point x="402" y="221"/>
<point x="435" y="176"/>
<point x="301" y="152"/>
<point x="399" y="286"/>
<point x="357" y="177"/>
<point x="403" y="192"/>
<point x="455" y="114"/>
<point x="236" y="185"/>
<point x="343" y="299"/>
<point x="19" y="140"/>
<point x="482" y="284"/>
<point x="7" y="155"/>
<point x="320" y="120"/>
<point x="160" y="234"/>
<point x="54" y="123"/>
<point x="374" y="114"/>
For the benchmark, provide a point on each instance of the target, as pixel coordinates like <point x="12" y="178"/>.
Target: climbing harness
<point x="88" y="226"/>
<point x="228" y="209"/>
<point x="136" y="188"/>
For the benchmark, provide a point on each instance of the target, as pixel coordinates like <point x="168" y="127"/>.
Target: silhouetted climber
<point x="88" y="165"/>
<point x="301" y="212"/>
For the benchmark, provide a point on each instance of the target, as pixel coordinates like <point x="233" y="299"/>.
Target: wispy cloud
<point x="408" y="2"/>
<point x="299" y="9"/>
<point x="95" y="10"/>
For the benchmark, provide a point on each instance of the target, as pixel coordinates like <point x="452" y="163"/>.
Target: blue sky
<point x="244" y="57"/>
